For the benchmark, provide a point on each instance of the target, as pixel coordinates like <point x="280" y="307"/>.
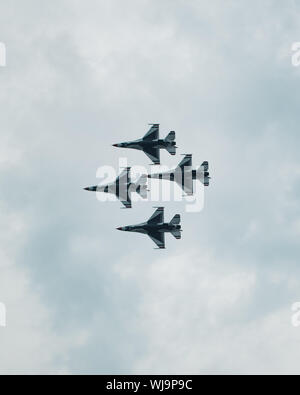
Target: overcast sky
<point x="84" y="298"/>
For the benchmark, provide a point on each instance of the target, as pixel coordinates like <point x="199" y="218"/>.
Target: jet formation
<point x="184" y="175"/>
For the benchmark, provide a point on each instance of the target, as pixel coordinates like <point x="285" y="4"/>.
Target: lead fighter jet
<point x="184" y="174"/>
<point x="151" y="144"/>
<point x="122" y="187"/>
<point x="156" y="228"/>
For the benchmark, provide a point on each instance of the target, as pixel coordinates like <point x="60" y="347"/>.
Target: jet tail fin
<point x="142" y="180"/>
<point x="141" y="188"/>
<point x="176" y="233"/>
<point x="204" y="174"/>
<point x="206" y="179"/>
<point x="142" y="191"/>
<point x="175" y="220"/>
<point x="205" y="166"/>
<point x="171" y="149"/>
<point x="170" y="137"/>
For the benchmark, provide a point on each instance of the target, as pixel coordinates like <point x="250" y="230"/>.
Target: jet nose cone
<point x="120" y="228"/>
<point x="92" y="189"/>
<point x="115" y="145"/>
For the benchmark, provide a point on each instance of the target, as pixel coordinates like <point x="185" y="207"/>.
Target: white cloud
<point x="194" y="312"/>
<point x="29" y="342"/>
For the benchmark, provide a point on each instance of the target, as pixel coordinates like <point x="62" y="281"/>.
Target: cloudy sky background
<point x="84" y="298"/>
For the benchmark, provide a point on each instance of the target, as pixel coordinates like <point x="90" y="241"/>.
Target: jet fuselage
<point x="148" y="228"/>
<point x="142" y="144"/>
<point x="113" y="188"/>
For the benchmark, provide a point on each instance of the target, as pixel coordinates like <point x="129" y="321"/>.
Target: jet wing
<point x="187" y="187"/>
<point x="122" y="184"/>
<point x="186" y="161"/>
<point x="187" y="182"/>
<point x="158" y="238"/>
<point x="123" y="178"/>
<point x="124" y="195"/>
<point x="157" y="217"/>
<point x="184" y="175"/>
<point x="153" y="154"/>
<point x="153" y="133"/>
<point x="127" y="203"/>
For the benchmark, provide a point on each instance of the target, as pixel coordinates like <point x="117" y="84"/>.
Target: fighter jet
<point x="122" y="187"/>
<point x="151" y="144"/>
<point x="156" y="228"/>
<point x="184" y="175"/>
